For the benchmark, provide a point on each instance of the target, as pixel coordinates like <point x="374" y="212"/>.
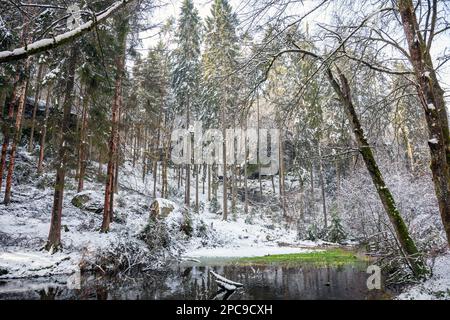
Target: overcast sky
<point x="171" y="8"/>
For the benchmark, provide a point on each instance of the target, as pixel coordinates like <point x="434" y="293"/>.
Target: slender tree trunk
<point x="111" y="194"/>
<point x="203" y="178"/>
<point x="165" y="190"/>
<point x="281" y="172"/>
<point x="407" y="244"/>
<point x="82" y="144"/>
<point x="17" y="134"/>
<point x="196" y="187"/>
<point x="187" y="199"/>
<point x="322" y="186"/>
<point x="312" y="192"/>
<point x="8" y="125"/>
<point x="224" y="160"/>
<point x="120" y="66"/>
<point x="36" y="104"/>
<point x="209" y="182"/>
<point x="155" y="170"/>
<point x="432" y="99"/>
<point x="54" y="236"/>
<point x="302" y="193"/>
<point x="245" y="170"/>
<point x="118" y="154"/>
<point x="257" y="144"/>
<point x="44" y="131"/>
<point x="233" y="187"/>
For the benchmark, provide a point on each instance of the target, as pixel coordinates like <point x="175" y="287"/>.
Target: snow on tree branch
<point x="50" y="43"/>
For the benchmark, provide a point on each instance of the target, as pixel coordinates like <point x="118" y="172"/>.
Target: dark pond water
<point x="193" y="282"/>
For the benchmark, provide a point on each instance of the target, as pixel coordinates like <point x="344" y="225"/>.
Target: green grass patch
<point x="325" y="257"/>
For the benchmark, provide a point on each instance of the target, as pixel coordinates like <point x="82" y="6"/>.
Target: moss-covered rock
<point x="161" y="208"/>
<point x="88" y="200"/>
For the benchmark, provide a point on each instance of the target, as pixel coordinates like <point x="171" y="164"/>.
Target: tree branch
<point x="50" y="43"/>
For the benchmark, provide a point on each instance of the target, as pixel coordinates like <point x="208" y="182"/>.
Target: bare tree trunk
<point x="187" y="196"/>
<point x="8" y="125"/>
<point x="120" y="66"/>
<point x="407" y="244"/>
<point x="302" y="200"/>
<point x="258" y="143"/>
<point x="322" y="186"/>
<point x="224" y="160"/>
<point x="118" y="153"/>
<point x="155" y="170"/>
<point x="44" y="131"/>
<point x="209" y="182"/>
<point x="312" y="197"/>
<point x="17" y="134"/>
<point x="54" y="236"/>
<point x="36" y="104"/>
<point x="281" y="172"/>
<point x="203" y="178"/>
<point x="233" y="187"/>
<point x="432" y="99"/>
<point x="245" y="170"/>
<point x="165" y="189"/>
<point x="196" y="187"/>
<point x="134" y="152"/>
<point x="82" y="144"/>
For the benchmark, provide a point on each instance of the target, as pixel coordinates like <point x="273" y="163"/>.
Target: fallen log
<point x="225" y="283"/>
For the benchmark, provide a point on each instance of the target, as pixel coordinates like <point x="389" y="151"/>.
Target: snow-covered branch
<point x="50" y="43"/>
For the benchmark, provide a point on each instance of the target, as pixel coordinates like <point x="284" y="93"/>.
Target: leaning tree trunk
<point x="120" y="66"/>
<point x="432" y="99"/>
<point x="407" y="244"/>
<point x="54" y="236"/>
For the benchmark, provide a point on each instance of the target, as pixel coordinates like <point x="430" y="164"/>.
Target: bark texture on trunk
<point x="17" y="134"/>
<point x="54" y="236"/>
<point x="83" y="144"/>
<point x="408" y="247"/>
<point x="114" y="137"/>
<point x="432" y="99"/>
<point x="8" y="125"/>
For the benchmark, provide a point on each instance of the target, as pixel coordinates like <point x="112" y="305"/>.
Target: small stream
<point x="193" y="281"/>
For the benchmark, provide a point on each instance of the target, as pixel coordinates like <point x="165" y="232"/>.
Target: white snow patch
<point x="433" y="141"/>
<point x="437" y="287"/>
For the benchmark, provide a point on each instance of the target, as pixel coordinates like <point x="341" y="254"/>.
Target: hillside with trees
<point x="150" y="147"/>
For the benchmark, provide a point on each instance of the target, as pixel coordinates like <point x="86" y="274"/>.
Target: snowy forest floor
<point x="24" y="226"/>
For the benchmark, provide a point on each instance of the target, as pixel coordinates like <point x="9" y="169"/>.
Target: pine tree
<point x="219" y="64"/>
<point x="186" y="72"/>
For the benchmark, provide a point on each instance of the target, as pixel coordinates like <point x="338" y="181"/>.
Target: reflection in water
<point x="195" y="282"/>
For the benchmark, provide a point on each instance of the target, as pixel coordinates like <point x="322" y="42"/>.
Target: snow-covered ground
<point x="24" y="225"/>
<point x="437" y="287"/>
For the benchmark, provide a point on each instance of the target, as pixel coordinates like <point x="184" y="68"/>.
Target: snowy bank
<point x="437" y="287"/>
